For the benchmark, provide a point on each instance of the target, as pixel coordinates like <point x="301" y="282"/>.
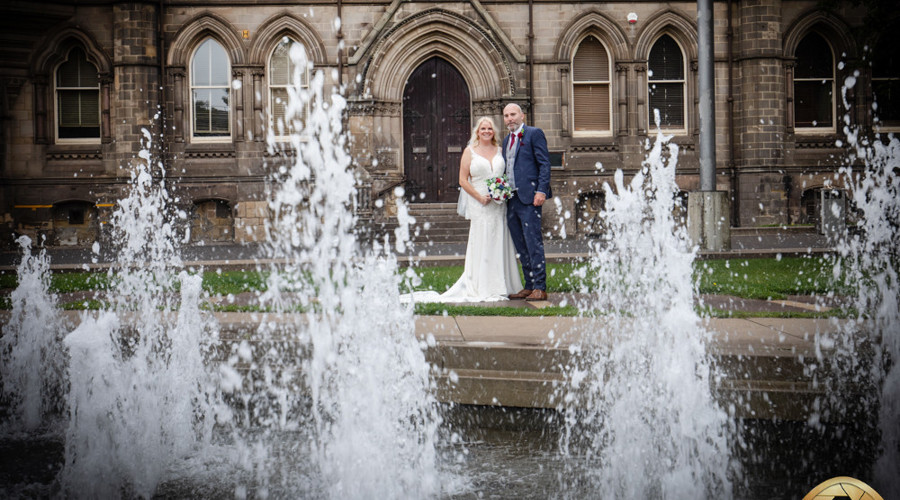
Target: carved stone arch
<point x="463" y="43"/>
<point x="834" y="30"/>
<point x="202" y="26"/>
<point x="284" y="24"/>
<point x="599" y="25"/>
<point x="56" y="49"/>
<point x="684" y="31"/>
<point x="674" y="24"/>
<point x="837" y="35"/>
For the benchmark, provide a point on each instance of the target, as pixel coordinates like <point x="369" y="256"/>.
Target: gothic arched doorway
<point x="436" y="127"/>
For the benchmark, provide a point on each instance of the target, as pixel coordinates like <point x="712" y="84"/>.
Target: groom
<point x="528" y="170"/>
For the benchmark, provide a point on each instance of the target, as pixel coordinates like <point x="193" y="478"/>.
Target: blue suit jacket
<point x="532" y="168"/>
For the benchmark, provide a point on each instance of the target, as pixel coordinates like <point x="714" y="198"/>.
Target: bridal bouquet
<point x="499" y="189"/>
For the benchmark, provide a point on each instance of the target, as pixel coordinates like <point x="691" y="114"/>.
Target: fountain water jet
<point x="362" y="392"/>
<point x="869" y="258"/>
<point x="141" y="397"/>
<point x="639" y="411"/>
<point x="32" y="361"/>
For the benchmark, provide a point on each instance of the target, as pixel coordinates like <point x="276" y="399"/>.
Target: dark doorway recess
<point x="436" y="127"/>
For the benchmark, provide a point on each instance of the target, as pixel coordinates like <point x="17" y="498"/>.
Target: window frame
<point x="194" y="138"/>
<point x="270" y="118"/>
<point x="879" y="125"/>
<point x="816" y="130"/>
<point x="56" y="102"/>
<point x="608" y="82"/>
<point x="893" y="78"/>
<point x="651" y="124"/>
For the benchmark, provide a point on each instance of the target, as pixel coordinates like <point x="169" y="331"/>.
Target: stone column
<point x="761" y="126"/>
<point x="41" y="120"/>
<point x="178" y="75"/>
<point x="564" y="101"/>
<point x="622" y="99"/>
<point x="237" y="97"/>
<point x="259" y="119"/>
<point x="137" y="78"/>
<point x="105" y="120"/>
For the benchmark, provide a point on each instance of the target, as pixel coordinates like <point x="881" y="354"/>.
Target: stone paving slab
<point x="757" y="335"/>
<point x="775" y="336"/>
<point x="516" y="330"/>
<point x="752" y="337"/>
<point x="443" y="328"/>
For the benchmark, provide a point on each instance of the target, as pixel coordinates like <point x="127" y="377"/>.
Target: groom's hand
<point x="539" y="199"/>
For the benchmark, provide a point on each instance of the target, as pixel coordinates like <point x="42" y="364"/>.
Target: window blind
<point x="666" y="61"/>
<point x="592" y="107"/>
<point x="591" y="62"/>
<point x="77" y="98"/>
<point x="668" y="98"/>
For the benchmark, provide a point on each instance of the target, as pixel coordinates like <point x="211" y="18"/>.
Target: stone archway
<point x="387" y="62"/>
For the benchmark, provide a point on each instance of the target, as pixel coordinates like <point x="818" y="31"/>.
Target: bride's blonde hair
<point x="474" y="139"/>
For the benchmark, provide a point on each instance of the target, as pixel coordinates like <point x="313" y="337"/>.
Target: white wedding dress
<point x="490" y="272"/>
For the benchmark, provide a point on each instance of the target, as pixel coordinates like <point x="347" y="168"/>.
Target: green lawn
<point x="767" y="278"/>
<point x="746" y="278"/>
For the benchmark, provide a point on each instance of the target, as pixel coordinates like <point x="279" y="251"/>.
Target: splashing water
<point x="362" y="389"/>
<point x="639" y="407"/>
<point x="869" y="258"/>
<point x="141" y="397"/>
<point x="32" y="362"/>
<point x="331" y="396"/>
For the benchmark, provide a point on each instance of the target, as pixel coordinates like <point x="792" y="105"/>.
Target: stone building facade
<point x="81" y="81"/>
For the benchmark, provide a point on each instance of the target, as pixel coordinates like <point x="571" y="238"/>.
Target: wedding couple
<point x="499" y="231"/>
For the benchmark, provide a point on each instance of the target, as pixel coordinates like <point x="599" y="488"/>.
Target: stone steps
<point x="497" y="375"/>
<point x="759" y="386"/>
<point x="438" y="223"/>
<point x="770" y="372"/>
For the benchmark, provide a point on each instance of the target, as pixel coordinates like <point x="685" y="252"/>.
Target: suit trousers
<point x="524" y="221"/>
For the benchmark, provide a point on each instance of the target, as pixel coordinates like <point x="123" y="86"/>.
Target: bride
<point x="490" y="272"/>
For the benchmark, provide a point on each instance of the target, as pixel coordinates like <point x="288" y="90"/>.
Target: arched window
<point x="210" y="97"/>
<point x="886" y="80"/>
<point x="666" y="83"/>
<point x="814" y="84"/>
<point x="77" y="99"/>
<point x="591" y="87"/>
<point x="281" y="77"/>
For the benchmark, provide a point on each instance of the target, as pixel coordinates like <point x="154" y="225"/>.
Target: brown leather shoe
<point x="522" y="294"/>
<point x="537" y="295"/>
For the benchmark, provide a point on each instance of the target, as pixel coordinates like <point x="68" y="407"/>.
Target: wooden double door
<point x="436" y="127"/>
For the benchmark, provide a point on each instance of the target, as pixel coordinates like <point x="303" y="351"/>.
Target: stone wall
<point x="380" y="43"/>
<point x="250" y="221"/>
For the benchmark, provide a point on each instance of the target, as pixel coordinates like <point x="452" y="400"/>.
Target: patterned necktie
<point x="510" y="162"/>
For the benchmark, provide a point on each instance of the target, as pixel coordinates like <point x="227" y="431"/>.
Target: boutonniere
<point x="521" y="135"/>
